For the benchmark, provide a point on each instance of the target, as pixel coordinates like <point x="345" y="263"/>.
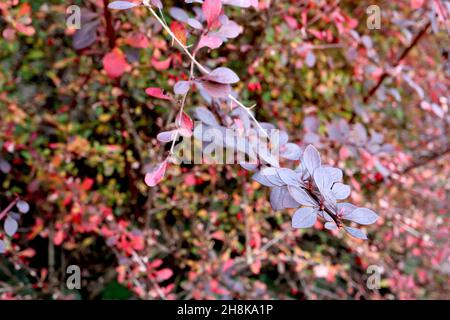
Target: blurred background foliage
<point x="78" y="143"/>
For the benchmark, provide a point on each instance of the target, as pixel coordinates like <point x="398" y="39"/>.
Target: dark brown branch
<point x="110" y="32"/>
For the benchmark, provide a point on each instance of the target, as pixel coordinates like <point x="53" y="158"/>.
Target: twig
<point x="153" y="282"/>
<point x="397" y="61"/>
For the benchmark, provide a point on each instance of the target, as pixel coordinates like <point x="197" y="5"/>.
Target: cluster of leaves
<point x="11" y="218"/>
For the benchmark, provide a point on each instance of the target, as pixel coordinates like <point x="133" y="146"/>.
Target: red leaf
<point x="163" y="274"/>
<point x="155" y="264"/>
<point x="179" y="31"/>
<point x="58" y="238"/>
<point x="157" y="93"/>
<point x="115" y="64"/>
<point x="161" y="65"/>
<point x="417" y="4"/>
<point x="211" y="10"/>
<point x="155" y="176"/>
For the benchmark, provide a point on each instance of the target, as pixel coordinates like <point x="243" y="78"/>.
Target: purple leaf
<point x="222" y="75"/>
<point x="249" y="166"/>
<point x="194" y="23"/>
<point x="157" y="93"/>
<point x="288" y="201"/>
<point x="23" y="206"/>
<point x="182" y="87"/>
<point x="283" y="138"/>
<point x="311" y="159"/>
<point x="357" y="233"/>
<point x="210" y="41"/>
<point x="2" y="247"/>
<point x="301" y="196"/>
<point x="237" y="3"/>
<point x="311" y="124"/>
<point x="304" y="218"/>
<point x="10" y="226"/>
<point x="178" y="14"/>
<point x="122" y="5"/>
<point x="262" y="179"/>
<point x="85" y="36"/>
<point x="326" y="216"/>
<point x="335" y="173"/>
<point x="311" y="138"/>
<point x="345" y="208"/>
<point x="5" y="167"/>
<point x="341" y="191"/>
<point x="367" y="41"/>
<point x="361" y="216"/>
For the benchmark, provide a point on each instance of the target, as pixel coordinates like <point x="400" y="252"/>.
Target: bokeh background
<point x="75" y="144"/>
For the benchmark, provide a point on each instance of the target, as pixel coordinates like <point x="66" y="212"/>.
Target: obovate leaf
<point x="122" y="5"/>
